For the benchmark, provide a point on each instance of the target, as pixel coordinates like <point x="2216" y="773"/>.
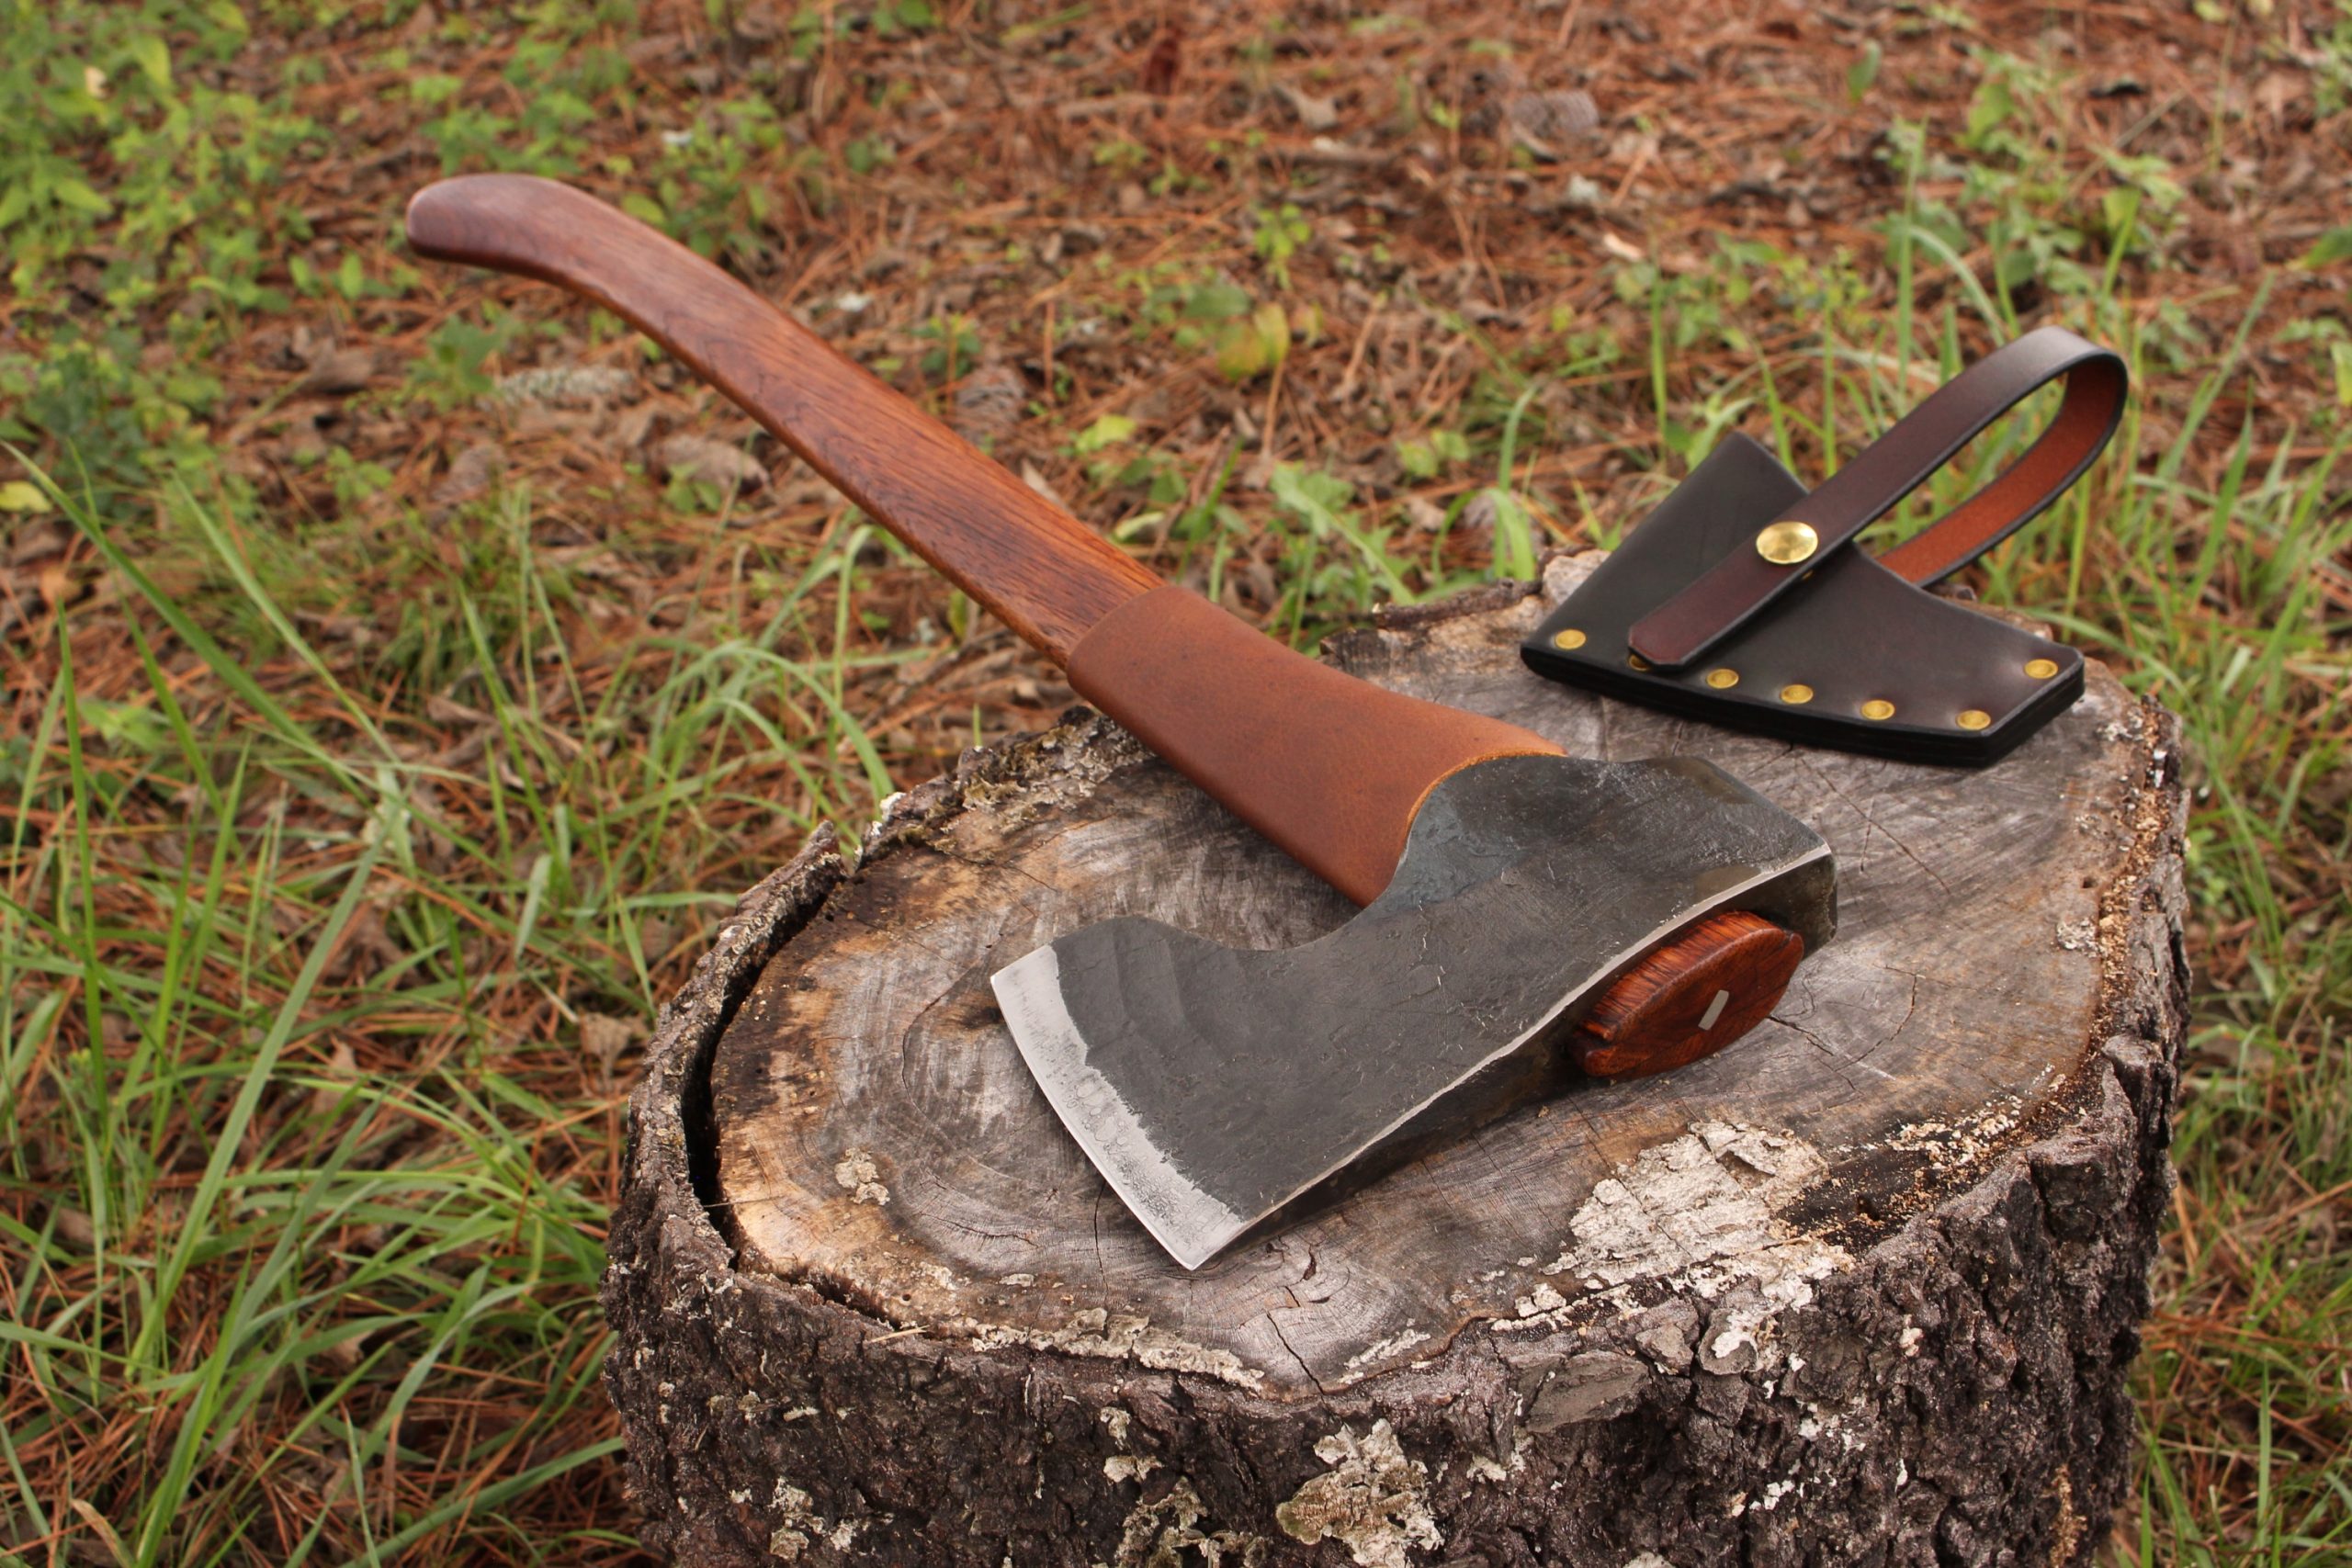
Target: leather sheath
<point x="1840" y="649"/>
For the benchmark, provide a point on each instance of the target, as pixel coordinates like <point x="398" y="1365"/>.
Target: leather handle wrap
<point x="1857" y="495"/>
<point x="1332" y="768"/>
<point x="1040" y="571"/>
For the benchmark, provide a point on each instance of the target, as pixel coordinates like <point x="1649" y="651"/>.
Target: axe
<point x="1522" y="911"/>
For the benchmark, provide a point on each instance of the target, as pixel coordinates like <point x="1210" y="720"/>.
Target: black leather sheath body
<point x="1807" y="666"/>
<point x="1744" y="599"/>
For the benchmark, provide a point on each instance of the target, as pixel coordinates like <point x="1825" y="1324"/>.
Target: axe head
<point x="1212" y="1084"/>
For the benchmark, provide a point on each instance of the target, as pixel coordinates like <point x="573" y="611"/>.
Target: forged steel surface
<point x="1212" y="1084"/>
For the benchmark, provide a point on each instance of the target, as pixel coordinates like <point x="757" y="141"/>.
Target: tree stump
<point x="1862" y="1289"/>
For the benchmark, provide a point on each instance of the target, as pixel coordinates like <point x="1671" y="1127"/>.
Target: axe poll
<point x="1523" y="910"/>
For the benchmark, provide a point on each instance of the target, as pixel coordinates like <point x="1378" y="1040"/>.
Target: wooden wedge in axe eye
<point x="1520" y="906"/>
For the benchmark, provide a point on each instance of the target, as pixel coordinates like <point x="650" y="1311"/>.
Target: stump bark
<point x="1862" y="1289"/>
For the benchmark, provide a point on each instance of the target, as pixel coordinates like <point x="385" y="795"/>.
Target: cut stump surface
<point x="1864" y="1287"/>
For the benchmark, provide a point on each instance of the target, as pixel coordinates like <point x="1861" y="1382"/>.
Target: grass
<point x="355" y="821"/>
<point x="318" y="1175"/>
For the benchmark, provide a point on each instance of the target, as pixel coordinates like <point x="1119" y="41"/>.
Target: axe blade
<point x="1210" y="1084"/>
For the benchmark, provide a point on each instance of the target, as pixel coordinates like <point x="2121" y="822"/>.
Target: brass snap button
<point x="1787" y="543"/>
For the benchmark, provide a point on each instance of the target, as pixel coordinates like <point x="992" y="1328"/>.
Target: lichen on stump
<point x="1863" y="1287"/>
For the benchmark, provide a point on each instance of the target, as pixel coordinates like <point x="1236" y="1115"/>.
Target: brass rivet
<point x="1637" y="661"/>
<point x="1722" y="680"/>
<point x="1568" y="638"/>
<point x="1877" y="707"/>
<point x="1972" y="718"/>
<point x="2042" y="669"/>
<point x="1785" y="544"/>
<point x="1796" y="692"/>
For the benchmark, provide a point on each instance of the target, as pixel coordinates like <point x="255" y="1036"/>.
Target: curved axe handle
<point x="1037" y="568"/>
<point x="1330" y="768"/>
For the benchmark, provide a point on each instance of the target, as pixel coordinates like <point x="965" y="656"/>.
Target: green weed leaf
<point x="2333" y="246"/>
<point x="1252" y="348"/>
<point x="1861" y="74"/>
<point x="1313" y="497"/>
<point x="78" y="196"/>
<point x="1108" y="431"/>
<point x="1217" y="302"/>
<point x="153" y="57"/>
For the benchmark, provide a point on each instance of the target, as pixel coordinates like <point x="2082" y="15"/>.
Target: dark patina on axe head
<point x="1213" y="1084"/>
<point x="1627" y="917"/>
<point x="1744" y="600"/>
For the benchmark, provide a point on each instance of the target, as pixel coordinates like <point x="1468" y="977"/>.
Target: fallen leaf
<point x="1254" y="347"/>
<point x="760" y="22"/>
<point x="989" y="402"/>
<point x="719" y="463"/>
<point x="443" y="709"/>
<point x="72" y="1226"/>
<point x="345" y="370"/>
<point x="106" y="1532"/>
<point x="1038" y="483"/>
<point x="606" y="1038"/>
<point x="1545" y="123"/>
<point x="1313" y="113"/>
<point x="341" y="1070"/>
<point x="470" y="475"/>
<point x="633" y="425"/>
<point x="23" y="495"/>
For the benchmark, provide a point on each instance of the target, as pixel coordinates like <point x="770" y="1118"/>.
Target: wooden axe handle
<point x="1037" y="568"/>
<point x="1330" y="768"/>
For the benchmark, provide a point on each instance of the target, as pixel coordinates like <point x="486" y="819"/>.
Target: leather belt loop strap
<point x="1857" y="495"/>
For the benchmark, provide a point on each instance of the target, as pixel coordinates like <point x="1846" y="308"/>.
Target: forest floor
<point x="405" y="668"/>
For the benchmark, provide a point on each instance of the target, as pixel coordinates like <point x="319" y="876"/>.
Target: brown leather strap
<point x="1857" y="495"/>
